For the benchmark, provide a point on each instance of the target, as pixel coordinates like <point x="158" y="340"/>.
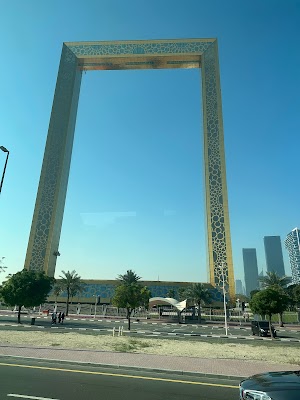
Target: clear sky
<point x="136" y="193"/>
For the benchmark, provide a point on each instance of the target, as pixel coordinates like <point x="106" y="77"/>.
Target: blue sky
<point x="136" y="195"/>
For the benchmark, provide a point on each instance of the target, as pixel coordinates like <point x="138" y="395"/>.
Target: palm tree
<point x="77" y="291"/>
<point x="71" y="283"/>
<point x="129" y="277"/>
<point x="57" y="291"/>
<point x="273" y="280"/>
<point x="171" y="293"/>
<point x="200" y="295"/>
<point x="182" y="293"/>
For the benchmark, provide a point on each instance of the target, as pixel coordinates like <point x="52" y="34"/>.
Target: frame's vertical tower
<point x="49" y="207"/>
<point x="217" y="215"/>
<point x="186" y="53"/>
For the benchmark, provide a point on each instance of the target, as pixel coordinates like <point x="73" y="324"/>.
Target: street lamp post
<point x="239" y="309"/>
<point x="4" y="149"/>
<point x="221" y="267"/>
<point x="96" y="301"/>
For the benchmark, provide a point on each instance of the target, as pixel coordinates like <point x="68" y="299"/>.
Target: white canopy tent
<point x="180" y="306"/>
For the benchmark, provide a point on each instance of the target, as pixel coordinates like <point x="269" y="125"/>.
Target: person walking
<point x="54" y="316"/>
<point x="62" y="317"/>
<point x="59" y="317"/>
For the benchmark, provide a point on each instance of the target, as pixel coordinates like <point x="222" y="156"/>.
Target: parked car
<point x="262" y="328"/>
<point x="284" y="385"/>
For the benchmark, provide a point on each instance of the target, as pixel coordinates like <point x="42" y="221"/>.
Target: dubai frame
<point x="76" y="57"/>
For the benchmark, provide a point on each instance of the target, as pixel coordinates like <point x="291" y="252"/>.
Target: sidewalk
<point x="180" y="365"/>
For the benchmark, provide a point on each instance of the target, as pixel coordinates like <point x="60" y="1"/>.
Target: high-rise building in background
<point x="239" y="287"/>
<point x="292" y="244"/>
<point x="250" y="270"/>
<point x="274" y="256"/>
<point x="260" y="276"/>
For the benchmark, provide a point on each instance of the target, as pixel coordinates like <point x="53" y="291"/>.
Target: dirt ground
<point x="272" y="352"/>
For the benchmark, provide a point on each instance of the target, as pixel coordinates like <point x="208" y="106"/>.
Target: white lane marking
<point x="23" y="396"/>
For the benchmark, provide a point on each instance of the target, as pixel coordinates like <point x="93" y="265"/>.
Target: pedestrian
<point x="54" y="316"/>
<point x="62" y="317"/>
<point x="59" y="317"/>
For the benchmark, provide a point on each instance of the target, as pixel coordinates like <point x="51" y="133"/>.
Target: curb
<point x="132" y="368"/>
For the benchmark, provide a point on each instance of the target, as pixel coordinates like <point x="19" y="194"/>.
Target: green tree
<point x="130" y="296"/>
<point x="171" y="293"/>
<point x="26" y="288"/>
<point x="268" y="302"/>
<point x="57" y="291"/>
<point x="296" y="294"/>
<point x="182" y="293"/>
<point x="273" y="279"/>
<point x="129" y="277"/>
<point x="71" y="283"/>
<point x="277" y="282"/>
<point x="199" y="295"/>
<point x="76" y="290"/>
<point x="293" y="291"/>
<point x="253" y="292"/>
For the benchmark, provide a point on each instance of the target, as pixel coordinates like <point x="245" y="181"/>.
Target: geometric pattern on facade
<point x="156" y="54"/>
<point x="106" y="290"/>
<point x="292" y="244"/>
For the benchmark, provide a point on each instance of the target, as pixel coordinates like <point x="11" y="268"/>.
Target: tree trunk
<point x="19" y="314"/>
<point x="128" y="316"/>
<point x="199" y="313"/>
<point x="280" y="315"/>
<point x="68" y="298"/>
<point x="270" y="327"/>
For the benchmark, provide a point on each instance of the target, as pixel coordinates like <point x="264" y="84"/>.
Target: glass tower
<point x="239" y="286"/>
<point x="292" y="244"/>
<point x="274" y="256"/>
<point x="250" y="270"/>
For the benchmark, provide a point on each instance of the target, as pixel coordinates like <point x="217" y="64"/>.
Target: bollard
<point x="114" y="331"/>
<point x="119" y="332"/>
<point x="122" y="330"/>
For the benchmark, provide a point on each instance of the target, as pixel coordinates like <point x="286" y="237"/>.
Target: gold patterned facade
<point x="154" y="54"/>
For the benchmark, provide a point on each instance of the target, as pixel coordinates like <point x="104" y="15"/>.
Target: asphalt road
<point x="148" y="328"/>
<point x="60" y="381"/>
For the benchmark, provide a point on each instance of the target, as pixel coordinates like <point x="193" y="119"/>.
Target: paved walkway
<point x="183" y="365"/>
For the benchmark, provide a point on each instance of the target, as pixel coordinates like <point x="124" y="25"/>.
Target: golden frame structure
<point x="76" y="57"/>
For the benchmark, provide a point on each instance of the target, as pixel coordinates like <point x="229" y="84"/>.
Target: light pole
<point x="221" y="268"/>
<point x="96" y="301"/>
<point x="4" y="149"/>
<point x="239" y="310"/>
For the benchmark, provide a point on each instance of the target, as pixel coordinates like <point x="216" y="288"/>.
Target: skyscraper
<point x="239" y="287"/>
<point x="250" y="270"/>
<point x="274" y="257"/>
<point x="292" y="244"/>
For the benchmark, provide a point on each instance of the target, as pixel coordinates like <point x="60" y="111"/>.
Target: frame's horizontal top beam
<point x="140" y="54"/>
<point x="141" y="42"/>
<point x="139" y="62"/>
